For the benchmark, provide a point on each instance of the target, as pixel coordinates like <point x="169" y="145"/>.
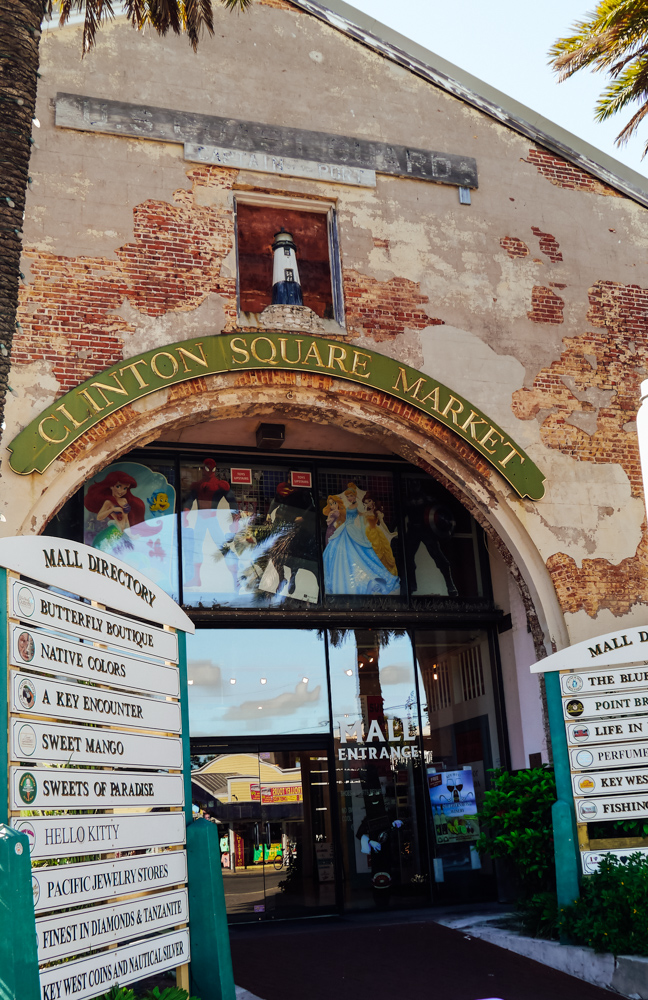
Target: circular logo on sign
<point x="587" y="810"/>
<point x="26" y="647"/>
<point x="27" y="787"/>
<point x="579" y="734"/>
<point x="26" y="693"/>
<point x="575" y="708"/>
<point x="26" y="740"/>
<point x="35" y="889"/>
<point x="26" y="602"/>
<point x="574" y="683"/>
<point x="23" y="826"/>
<point x="586" y="784"/>
<point x="382" y="880"/>
<point x="584" y="758"/>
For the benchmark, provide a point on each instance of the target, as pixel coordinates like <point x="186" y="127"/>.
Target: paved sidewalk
<point x="382" y="957"/>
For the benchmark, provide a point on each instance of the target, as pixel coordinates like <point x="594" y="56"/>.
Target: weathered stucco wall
<point x="528" y="302"/>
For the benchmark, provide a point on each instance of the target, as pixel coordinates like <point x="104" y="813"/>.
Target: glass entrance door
<point x="272" y="808"/>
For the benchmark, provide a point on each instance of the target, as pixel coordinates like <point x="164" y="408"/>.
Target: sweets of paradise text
<point x="40" y="741"/>
<point x="34" y="649"/>
<point x="70" y="788"/>
<point x="95" y="974"/>
<point x="32" y="695"/>
<point x="38" y="606"/>
<point x="75" y="932"/>
<point x="62" y="886"/>
<point x="70" y="836"/>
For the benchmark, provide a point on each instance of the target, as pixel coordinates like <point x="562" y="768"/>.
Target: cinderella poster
<point x="129" y="512"/>
<point x="358" y="554"/>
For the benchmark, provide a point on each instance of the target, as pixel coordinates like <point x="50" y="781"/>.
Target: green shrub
<point x="516" y="817"/>
<point x="168" y="993"/>
<point x="612" y="911"/>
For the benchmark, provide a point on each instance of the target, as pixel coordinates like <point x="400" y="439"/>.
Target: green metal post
<point x="18" y="950"/>
<point x="211" y="961"/>
<point x="566" y="849"/>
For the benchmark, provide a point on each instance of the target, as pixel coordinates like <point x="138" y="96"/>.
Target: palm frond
<point x="614" y="40"/>
<point x="190" y="17"/>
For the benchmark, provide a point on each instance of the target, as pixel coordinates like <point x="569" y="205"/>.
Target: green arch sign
<point x="65" y="420"/>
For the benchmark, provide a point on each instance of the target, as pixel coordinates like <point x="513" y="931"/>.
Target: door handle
<point x="256" y="836"/>
<point x="267" y="832"/>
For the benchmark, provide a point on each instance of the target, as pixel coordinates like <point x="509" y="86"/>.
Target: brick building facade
<point x="523" y="295"/>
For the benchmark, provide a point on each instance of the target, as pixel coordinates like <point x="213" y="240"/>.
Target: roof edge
<point x="404" y="51"/>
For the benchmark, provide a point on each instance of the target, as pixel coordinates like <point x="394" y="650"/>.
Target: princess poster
<point x="358" y="556"/>
<point x="129" y="512"/>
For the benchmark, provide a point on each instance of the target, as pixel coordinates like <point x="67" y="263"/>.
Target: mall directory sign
<point x="95" y="766"/>
<point x="604" y="697"/>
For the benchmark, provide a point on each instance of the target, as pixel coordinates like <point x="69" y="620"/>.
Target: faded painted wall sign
<point x="92" y="114"/>
<point x="65" y="420"/>
<point x="42" y="441"/>
<point x="269" y="163"/>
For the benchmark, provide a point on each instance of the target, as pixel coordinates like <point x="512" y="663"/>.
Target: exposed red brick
<point x="564" y="174"/>
<point x="549" y="245"/>
<point x="619" y="350"/>
<point x="514" y="246"/>
<point x="68" y="312"/>
<point x="383" y="309"/>
<point x="546" y="306"/>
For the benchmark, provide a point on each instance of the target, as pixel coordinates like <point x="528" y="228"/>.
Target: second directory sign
<point x="96" y="763"/>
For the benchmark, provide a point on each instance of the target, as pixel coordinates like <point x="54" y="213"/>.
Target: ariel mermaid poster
<point x="358" y="555"/>
<point x="129" y="512"/>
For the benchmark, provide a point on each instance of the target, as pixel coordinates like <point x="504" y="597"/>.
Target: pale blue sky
<point x="505" y="43"/>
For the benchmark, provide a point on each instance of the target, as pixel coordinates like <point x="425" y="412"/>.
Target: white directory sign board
<point x="600" y="681"/>
<point x="96" y="881"/>
<point x="96" y="974"/>
<point x="604" y="706"/>
<point x="611" y="649"/>
<point x="81" y="569"/>
<point x="73" y="788"/>
<point x="37" y="606"/>
<point x="43" y="741"/>
<point x="610" y="731"/>
<point x="592" y="859"/>
<point x="33" y="649"/>
<point x="32" y="695"/>
<point x="608" y="782"/>
<point x="77" y="931"/>
<point x="608" y="755"/>
<point x="612" y="807"/>
<point x="71" y="836"/>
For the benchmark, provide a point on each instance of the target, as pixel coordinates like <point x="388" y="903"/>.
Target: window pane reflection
<point x="460" y="739"/>
<point x="248" y="537"/>
<point x="378" y="765"/>
<point x="257" y="681"/>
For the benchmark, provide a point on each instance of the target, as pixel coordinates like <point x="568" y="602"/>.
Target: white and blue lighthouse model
<point x="286" y="287"/>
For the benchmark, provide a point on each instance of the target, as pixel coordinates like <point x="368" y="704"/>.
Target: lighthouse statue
<point x="286" y="289"/>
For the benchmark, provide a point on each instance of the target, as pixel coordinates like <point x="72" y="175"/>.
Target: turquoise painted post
<point x="18" y="951"/>
<point x="211" y="960"/>
<point x="211" y="972"/>
<point x="566" y="850"/>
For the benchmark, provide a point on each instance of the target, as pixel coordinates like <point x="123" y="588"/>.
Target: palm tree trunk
<point x="20" y="22"/>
